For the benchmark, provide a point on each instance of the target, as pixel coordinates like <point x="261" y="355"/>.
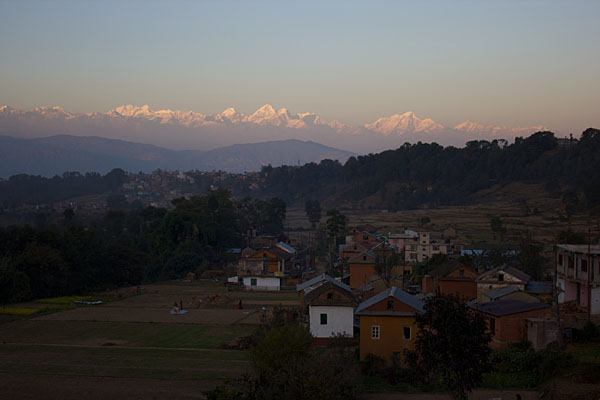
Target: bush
<point x="590" y="333"/>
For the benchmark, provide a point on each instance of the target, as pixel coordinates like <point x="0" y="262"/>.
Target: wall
<point x="359" y="273"/>
<point x="390" y="336"/>
<point x="513" y="328"/>
<point x="262" y="283"/>
<point x="464" y="289"/>
<point x="339" y="320"/>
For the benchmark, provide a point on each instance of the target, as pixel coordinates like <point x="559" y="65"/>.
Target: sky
<point x="516" y="63"/>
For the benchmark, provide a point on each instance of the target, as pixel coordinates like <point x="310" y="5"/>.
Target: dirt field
<point x="133" y="348"/>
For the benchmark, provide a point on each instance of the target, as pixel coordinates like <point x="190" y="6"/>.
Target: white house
<point x="261" y="282"/>
<point x="330" y="307"/>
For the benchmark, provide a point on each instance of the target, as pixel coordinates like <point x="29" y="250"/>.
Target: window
<point x="365" y="237"/>
<point x="436" y="248"/>
<point x="501" y="277"/>
<point x="329" y="296"/>
<point x="583" y="265"/>
<point x="461" y="272"/>
<point x="390" y="304"/>
<point x="364" y="258"/>
<point x="323" y="319"/>
<point x="560" y="259"/>
<point x="406" y="333"/>
<point x="375" y="332"/>
<point x="493" y="326"/>
<point x="252" y="281"/>
<point x="413" y="256"/>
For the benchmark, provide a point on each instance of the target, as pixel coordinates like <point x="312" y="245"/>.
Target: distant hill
<point x="56" y="154"/>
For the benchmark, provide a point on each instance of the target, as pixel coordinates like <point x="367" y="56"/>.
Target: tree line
<point x="128" y="247"/>
<point x="427" y="173"/>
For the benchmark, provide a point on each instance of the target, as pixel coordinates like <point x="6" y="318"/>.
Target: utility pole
<point x="589" y="268"/>
<point x="557" y="290"/>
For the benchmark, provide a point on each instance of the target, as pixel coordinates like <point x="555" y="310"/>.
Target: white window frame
<point x="375" y="332"/>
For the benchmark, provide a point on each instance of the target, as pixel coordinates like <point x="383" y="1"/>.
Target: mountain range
<point x="177" y="129"/>
<point x="54" y="155"/>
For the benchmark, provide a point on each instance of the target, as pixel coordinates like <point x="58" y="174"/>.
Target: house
<point x="387" y="324"/>
<point x="399" y="240"/>
<point x="264" y="269"/>
<point x="350" y="250"/>
<point x="507" y="319"/>
<point x="330" y="306"/>
<point x="452" y="277"/>
<point x="500" y="277"/>
<point x="579" y="275"/>
<point x="540" y="289"/>
<point x="361" y="267"/>
<point x="423" y="247"/>
<point x="509" y="293"/>
<point x="365" y="238"/>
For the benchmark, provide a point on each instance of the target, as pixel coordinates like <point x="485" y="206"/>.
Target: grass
<point x="18" y="310"/>
<point x="126" y="333"/>
<point x="73" y="299"/>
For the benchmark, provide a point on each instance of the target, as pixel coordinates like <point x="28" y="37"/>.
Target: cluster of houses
<point x="515" y="306"/>
<point x="381" y="311"/>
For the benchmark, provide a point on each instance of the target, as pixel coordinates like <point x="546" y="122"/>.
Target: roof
<point x="500" y="292"/>
<point x="506" y="307"/>
<point x="286" y="247"/>
<point x="446" y="268"/>
<point x="580" y="248"/>
<point x="321" y="278"/>
<point x="391" y="246"/>
<point x="312" y="296"/>
<point x="471" y="252"/>
<point x="234" y="250"/>
<point x="395" y="292"/>
<point x="509" y="270"/>
<point x="539" y="287"/>
<point x="358" y="258"/>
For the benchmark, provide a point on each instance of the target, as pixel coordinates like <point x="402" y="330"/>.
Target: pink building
<point x="579" y="275"/>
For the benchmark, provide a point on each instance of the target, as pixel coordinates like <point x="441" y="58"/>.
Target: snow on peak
<point x="494" y="131"/>
<point x="402" y="124"/>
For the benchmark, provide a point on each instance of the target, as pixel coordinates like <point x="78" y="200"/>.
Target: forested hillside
<point x="424" y="173"/>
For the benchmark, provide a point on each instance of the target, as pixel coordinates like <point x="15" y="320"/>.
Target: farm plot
<point x="133" y="348"/>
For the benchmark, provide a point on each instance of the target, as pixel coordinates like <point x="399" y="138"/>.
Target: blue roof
<point x="321" y="278"/>
<point x="471" y="252"/>
<point x="234" y="250"/>
<point x="287" y="247"/>
<point x="539" y="287"/>
<point x="395" y="292"/>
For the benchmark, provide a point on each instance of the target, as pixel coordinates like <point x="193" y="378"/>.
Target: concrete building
<point x="579" y="275"/>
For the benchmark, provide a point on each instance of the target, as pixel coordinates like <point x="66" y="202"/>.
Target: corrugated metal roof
<point x="395" y="292"/>
<point x="286" y="247"/>
<point x="321" y="278"/>
<point x="358" y="257"/>
<point x="500" y="292"/>
<point x="506" y="307"/>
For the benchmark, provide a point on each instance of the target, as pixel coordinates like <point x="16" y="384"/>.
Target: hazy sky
<point x="518" y="63"/>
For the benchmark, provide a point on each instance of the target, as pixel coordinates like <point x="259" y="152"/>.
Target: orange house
<point x="387" y="324"/>
<point x="452" y="277"/>
<point x="367" y="239"/>
<point x="361" y="267"/>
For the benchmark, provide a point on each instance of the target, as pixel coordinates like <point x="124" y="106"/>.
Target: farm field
<point x="133" y="348"/>
<point x="472" y="221"/>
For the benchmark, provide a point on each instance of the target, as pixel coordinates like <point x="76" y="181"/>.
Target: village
<point x="377" y="293"/>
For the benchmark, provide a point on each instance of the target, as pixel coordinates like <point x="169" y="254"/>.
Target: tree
<point x="313" y="211"/>
<point x="385" y="261"/>
<point x="451" y="344"/>
<point x="497" y="227"/>
<point x="288" y="366"/>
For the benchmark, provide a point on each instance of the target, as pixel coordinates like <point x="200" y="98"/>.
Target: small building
<point x="361" y="267"/>
<point x="330" y="306"/>
<point x="509" y="293"/>
<point x="387" y="324"/>
<point x="500" y="277"/>
<point x="507" y="319"/>
<point x="262" y="282"/>
<point x="452" y="277"/>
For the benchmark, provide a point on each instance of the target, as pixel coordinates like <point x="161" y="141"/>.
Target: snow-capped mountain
<point x="188" y="129"/>
<point x="402" y="124"/>
<point x="494" y="132"/>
